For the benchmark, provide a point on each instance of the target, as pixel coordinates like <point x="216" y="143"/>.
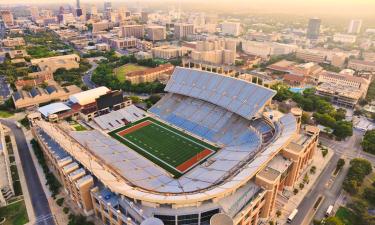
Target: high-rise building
<point x="355" y="26"/>
<point x="7" y="17"/>
<point x="107" y="5"/>
<point x="313" y="28"/>
<point x="182" y="30"/>
<point x="34" y="12"/>
<point x="144" y="16"/>
<point x="78" y="9"/>
<point x="231" y="28"/>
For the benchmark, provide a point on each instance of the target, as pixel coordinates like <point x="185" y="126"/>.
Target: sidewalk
<point x="320" y="163"/>
<point x="25" y="190"/>
<point x="60" y="217"/>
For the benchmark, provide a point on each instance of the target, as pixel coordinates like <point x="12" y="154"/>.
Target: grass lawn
<point x="79" y="127"/>
<point x="346" y="216"/>
<point x="121" y="71"/>
<point x="171" y="149"/>
<point x="14" y="213"/>
<point x="5" y="114"/>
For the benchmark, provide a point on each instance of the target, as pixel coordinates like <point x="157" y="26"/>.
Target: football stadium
<point x="214" y="150"/>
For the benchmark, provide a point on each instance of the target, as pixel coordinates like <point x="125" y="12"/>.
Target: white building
<point x="266" y="49"/>
<point x="344" y="38"/>
<point x="231" y="28"/>
<point x="355" y="26"/>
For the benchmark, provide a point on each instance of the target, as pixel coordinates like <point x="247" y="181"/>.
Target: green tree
<point x="333" y="221"/>
<point x="343" y="129"/>
<point x="368" y="143"/>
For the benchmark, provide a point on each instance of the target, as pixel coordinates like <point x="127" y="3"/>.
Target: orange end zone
<point x="134" y="128"/>
<point x="193" y="160"/>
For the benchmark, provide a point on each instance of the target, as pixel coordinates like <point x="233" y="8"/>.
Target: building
<point x="310" y="55"/>
<point x="136" y="31"/>
<point x="267" y="49"/>
<point x="13" y="42"/>
<point x="17" y="54"/>
<point x="34" y="79"/>
<point x="102" y="47"/>
<point x="231" y="28"/>
<point x="67" y="18"/>
<point x="355" y="26"/>
<point x="155" y="33"/>
<point x="101" y="26"/>
<point x="56" y="62"/>
<point x="34" y="12"/>
<point x="122" y="43"/>
<point x="168" y="52"/>
<point x="160" y="73"/>
<point x="217" y="52"/>
<point x="313" y="28"/>
<point x="6" y="181"/>
<point x="236" y="181"/>
<point x="183" y="30"/>
<point x="342" y="89"/>
<point x="344" y="38"/>
<point x="98" y="101"/>
<point x="144" y="17"/>
<point x="7" y="18"/>
<point x="34" y="97"/>
<point x="361" y="65"/>
<point x="338" y="59"/>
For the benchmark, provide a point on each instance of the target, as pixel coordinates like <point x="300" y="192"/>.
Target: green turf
<point x="346" y="216"/>
<point x="121" y="71"/>
<point x="163" y="144"/>
<point x="14" y="213"/>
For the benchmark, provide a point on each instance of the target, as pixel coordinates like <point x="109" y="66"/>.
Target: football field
<point x="168" y="147"/>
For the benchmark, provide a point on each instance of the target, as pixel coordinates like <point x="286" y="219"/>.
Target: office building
<point x="34" y="12"/>
<point x="155" y="33"/>
<point x="136" y="31"/>
<point x="250" y="155"/>
<point x="160" y="73"/>
<point x="13" y="42"/>
<point x="183" y="30"/>
<point x="313" y="28"/>
<point x="231" y="28"/>
<point x="355" y="26"/>
<point x="311" y="55"/>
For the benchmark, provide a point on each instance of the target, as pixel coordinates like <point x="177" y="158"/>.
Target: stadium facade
<point x="259" y="153"/>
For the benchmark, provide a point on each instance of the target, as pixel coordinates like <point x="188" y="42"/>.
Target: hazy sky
<point x="348" y="8"/>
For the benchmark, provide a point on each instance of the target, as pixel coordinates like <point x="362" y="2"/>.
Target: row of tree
<point x="323" y="111"/>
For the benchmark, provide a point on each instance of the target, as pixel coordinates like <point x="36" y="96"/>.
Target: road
<point x="39" y="201"/>
<point x="87" y="77"/>
<point x="347" y="149"/>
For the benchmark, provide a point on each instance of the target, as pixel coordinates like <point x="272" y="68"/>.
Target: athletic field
<point x="169" y="148"/>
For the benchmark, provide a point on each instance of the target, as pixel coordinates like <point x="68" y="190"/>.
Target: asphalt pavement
<point x="39" y="201"/>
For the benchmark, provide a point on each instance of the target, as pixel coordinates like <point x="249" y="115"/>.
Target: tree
<point x="368" y="143"/>
<point x="340" y="164"/>
<point x="369" y="195"/>
<point x="343" y="129"/>
<point x="333" y="221"/>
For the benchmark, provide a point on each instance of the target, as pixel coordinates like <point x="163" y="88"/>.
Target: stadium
<point x="213" y="149"/>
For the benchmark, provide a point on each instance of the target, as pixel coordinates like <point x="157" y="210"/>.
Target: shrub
<point x="60" y="201"/>
<point x="66" y="210"/>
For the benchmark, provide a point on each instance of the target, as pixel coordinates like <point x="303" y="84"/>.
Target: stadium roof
<point x="53" y="108"/>
<point x="238" y="96"/>
<point x="88" y="96"/>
